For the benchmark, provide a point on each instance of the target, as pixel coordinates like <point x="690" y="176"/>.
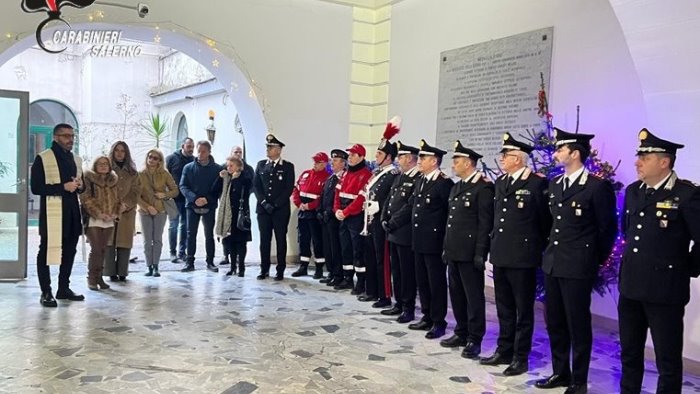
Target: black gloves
<point x="479" y="263"/>
<point x="387" y="226"/>
<point x="268" y="207"/>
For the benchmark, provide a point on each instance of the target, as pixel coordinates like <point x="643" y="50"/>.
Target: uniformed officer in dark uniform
<point x="467" y="240"/>
<point x="521" y="225"/>
<point x="583" y="232"/>
<point x="273" y="184"/>
<point x="330" y="224"/>
<point x="661" y="217"/>
<point x="396" y="221"/>
<point x="428" y="219"/>
<point x="377" y="192"/>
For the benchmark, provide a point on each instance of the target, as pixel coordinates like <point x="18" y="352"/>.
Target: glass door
<point x="14" y="166"/>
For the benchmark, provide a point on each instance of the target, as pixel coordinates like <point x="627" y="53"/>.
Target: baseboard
<point x="609" y="324"/>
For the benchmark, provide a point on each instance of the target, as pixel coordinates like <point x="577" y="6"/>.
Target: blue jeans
<point x="180" y="222"/>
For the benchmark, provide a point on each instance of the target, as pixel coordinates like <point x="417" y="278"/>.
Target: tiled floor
<point x="203" y="332"/>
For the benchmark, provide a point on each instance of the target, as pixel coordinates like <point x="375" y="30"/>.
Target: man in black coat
<point x="69" y="225"/>
<point x="583" y="232"/>
<point x="466" y="248"/>
<point x="521" y="226"/>
<point x="377" y="192"/>
<point x="428" y="220"/>
<point x="273" y="184"/>
<point x="661" y="217"/>
<point x="396" y="221"/>
<point x="330" y="224"/>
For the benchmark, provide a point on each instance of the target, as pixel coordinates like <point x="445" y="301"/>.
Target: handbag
<point x="243" y="220"/>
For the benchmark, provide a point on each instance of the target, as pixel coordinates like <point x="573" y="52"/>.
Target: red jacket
<point x="308" y="188"/>
<point x="347" y="192"/>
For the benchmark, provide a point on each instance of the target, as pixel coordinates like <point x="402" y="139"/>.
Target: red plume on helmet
<point x="392" y="128"/>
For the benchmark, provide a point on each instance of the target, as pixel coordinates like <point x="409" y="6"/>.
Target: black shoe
<point x="454" y="341"/>
<point x="516" y="368"/>
<point x="435" y="332"/>
<point x="496" y="359"/>
<point x="263" y="275"/>
<point x="421" y="325"/>
<point x="213" y="268"/>
<point x="357" y="290"/>
<point x="188" y="268"/>
<point x="325" y="280"/>
<point x="553" y="381"/>
<point x="576" y="389"/>
<point x="382" y="303"/>
<point x="230" y="273"/>
<point x="405" y="317"/>
<point x="122" y="278"/>
<point x="114" y="278"/>
<point x="471" y="350"/>
<point x="47" y="300"/>
<point x="367" y="298"/>
<point x="224" y="262"/>
<point x="301" y="271"/>
<point x="344" y="284"/>
<point x="279" y="277"/>
<point x="241" y="273"/>
<point x="68" y="294"/>
<point x="333" y="282"/>
<point x="391" y="311"/>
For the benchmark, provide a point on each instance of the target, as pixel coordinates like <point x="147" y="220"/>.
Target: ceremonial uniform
<point x="428" y="220"/>
<point x="583" y="232"/>
<point x="331" y="226"/>
<point x="350" y="201"/>
<point x="273" y="183"/>
<point x="308" y="191"/>
<point x="396" y="220"/>
<point x="466" y="247"/>
<point x="659" y="222"/>
<point x="521" y="225"/>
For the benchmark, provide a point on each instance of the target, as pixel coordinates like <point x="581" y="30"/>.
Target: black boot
<point x="47" y="300"/>
<point x="360" y="285"/>
<point x="302" y="270"/>
<point x="241" y="268"/>
<point x="189" y="265"/>
<point x="319" y="271"/>
<point x="346" y="283"/>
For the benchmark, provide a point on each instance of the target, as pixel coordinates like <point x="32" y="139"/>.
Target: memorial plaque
<point x="489" y="88"/>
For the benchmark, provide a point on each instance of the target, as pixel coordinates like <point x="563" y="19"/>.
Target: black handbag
<point x="243" y="220"/>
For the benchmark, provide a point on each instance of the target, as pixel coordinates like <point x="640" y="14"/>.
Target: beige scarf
<point x="54" y="207"/>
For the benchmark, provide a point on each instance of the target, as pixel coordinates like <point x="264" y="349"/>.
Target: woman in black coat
<point x="235" y="196"/>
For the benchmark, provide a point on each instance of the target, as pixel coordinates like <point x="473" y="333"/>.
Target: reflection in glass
<point x="9" y="117"/>
<point x="9" y="236"/>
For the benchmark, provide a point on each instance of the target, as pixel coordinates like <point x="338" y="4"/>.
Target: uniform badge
<point x="659" y="213"/>
<point x="663" y="223"/>
<point x="573" y="204"/>
<point x="427" y="200"/>
<point x="467" y="204"/>
<point x="521" y="204"/>
<point x="280" y="177"/>
<point x="579" y="212"/>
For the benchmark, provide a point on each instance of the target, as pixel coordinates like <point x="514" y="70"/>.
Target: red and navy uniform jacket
<point x="348" y="197"/>
<point x="308" y="190"/>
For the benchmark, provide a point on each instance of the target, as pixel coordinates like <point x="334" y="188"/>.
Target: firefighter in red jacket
<point x="307" y="198"/>
<point x="348" y="208"/>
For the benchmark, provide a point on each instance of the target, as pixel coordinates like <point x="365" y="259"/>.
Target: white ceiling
<point x="372" y="4"/>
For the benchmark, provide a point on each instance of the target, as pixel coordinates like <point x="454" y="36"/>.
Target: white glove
<point x="372" y="207"/>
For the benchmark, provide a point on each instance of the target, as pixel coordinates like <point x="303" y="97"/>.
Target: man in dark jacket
<point x="331" y="224"/>
<point x="521" y="226"/>
<point x="273" y="184"/>
<point x="661" y="217"/>
<point x="466" y="247"/>
<point x="175" y="163"/>
<point x="428" y="220"/>
<point x="583" y="232"/>
<point x="56" y="177"/>
<point x="396" y="221"/>
<point x="201" y="186"/>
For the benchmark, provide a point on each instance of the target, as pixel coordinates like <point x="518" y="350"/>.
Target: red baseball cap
<point x="320" y="157"/>
<point x="357" y="149"/>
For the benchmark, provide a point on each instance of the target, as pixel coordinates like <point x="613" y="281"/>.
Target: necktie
<point x="509" y="180"/>
<point x="566" y="183"/>
<point x="649" y="191"/>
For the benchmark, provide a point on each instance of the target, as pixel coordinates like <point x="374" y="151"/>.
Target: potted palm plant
<point x="156" y="129"/>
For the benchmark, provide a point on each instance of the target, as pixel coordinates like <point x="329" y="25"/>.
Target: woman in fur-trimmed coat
<point x="101" y="205"/>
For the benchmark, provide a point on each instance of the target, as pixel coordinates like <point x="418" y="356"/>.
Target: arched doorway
<point x="180" y="127"/>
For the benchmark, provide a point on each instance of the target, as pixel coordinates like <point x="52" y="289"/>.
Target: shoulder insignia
<point x="395" y="171"/>
<point x="688" y="182"/>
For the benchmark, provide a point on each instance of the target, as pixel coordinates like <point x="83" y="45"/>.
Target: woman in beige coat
<point x="157" y="186"/>
<point x="128" y="187"/>
<point x="101" y="206"/>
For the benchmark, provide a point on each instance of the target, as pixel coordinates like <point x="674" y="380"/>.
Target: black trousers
<point x="237" y="250"/>
<point x="403" y="275"/>
<point x="569" y="326"/>
<point x="331" y="247"/>
<point x="208" y="220"/>
<point x="515" y="307"/>
<point x="375" y="244"/>
<point x="69" y="248"/>
<point x="432" y="288"/>
<point x="468" y="300"/>
<point x="276" y="222"/>
<point x="666" y="325"/>
<point x="310" y="232"/>
<point x="351" y="244"/>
